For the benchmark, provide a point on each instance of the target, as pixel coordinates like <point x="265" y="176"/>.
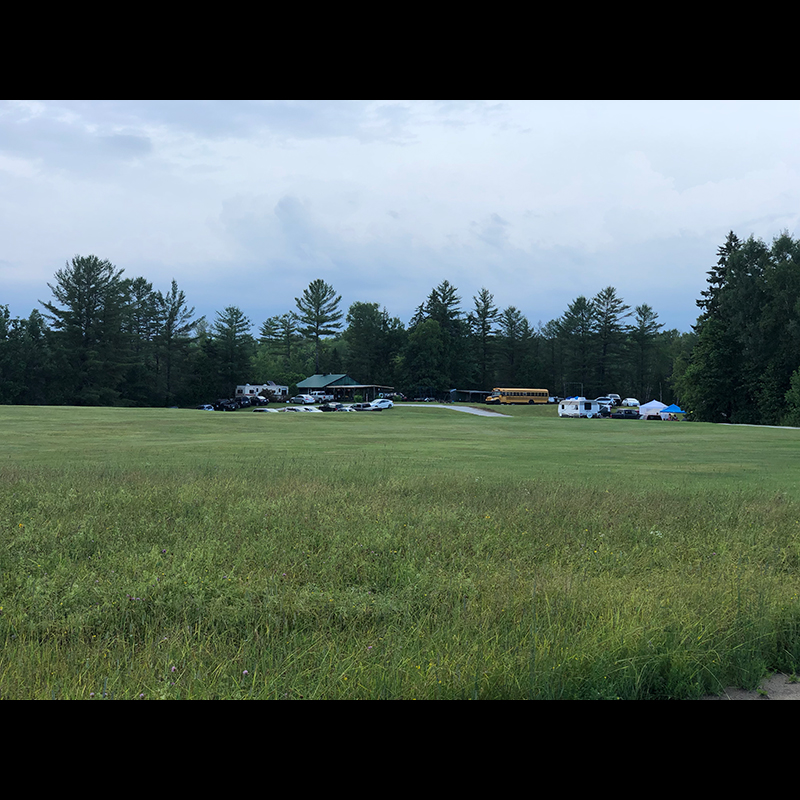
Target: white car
<point x="631" y="402"/>
<point x="381" y="403"/>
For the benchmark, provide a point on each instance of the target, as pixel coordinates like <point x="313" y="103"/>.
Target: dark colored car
<point x="626" y="413"/>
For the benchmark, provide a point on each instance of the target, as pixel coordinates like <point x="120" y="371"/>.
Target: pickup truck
<point x="321" y="397"/>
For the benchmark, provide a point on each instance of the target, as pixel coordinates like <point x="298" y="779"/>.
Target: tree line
<point x="745" y="363"/>
<point x="104" y="339"/>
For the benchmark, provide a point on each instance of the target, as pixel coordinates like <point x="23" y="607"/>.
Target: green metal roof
<point x="324" y="381"/>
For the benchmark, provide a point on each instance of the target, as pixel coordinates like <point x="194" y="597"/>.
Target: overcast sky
<point x="246" y="202"/>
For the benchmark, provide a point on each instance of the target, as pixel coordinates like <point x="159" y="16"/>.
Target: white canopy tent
<point x="653" y="407"/>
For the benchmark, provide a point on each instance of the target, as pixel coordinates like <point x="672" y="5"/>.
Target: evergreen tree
<point x="422" y="359"/>
<point x="552" y="345"/>
<point x="140" y="322"/>
<point x="39" y="375"/>
<point x="779" y="328"/>
<point x="609" y="312"/>
<point x="642" y="346"/>
<point x="173" y="339"/>
<point x="481" y="324"/>
<point x="319" y="314"/>
<point x="717" y="278"/>
<point x="232" y="348"/>
<point x="733" y="362"/>
<point x="576" y="329"/>
<point x="12" y="377"/>
<point x="512" y="338"/>
<point x="443" y="307"/>
<point x="269" y="332"/>
<point x="90" y="299"/>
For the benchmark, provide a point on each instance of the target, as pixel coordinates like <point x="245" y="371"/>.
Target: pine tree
<point x="709" y="386"/>
<point x="512" y="338"/>
<point x="89" y="323"/>
<point x="173" y="339"/>
<point x="576" y="329"/>
<point x="319" y="314"/>
<point x="481" y="323"/>
<point x="642" y="344"/>
<point x="609" y="312"/>
<point x="233" y="348"/>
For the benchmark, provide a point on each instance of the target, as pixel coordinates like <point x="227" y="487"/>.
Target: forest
<point x="106" y="339"/>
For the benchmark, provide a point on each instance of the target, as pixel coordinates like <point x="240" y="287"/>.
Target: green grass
<point x="412" y="553"/>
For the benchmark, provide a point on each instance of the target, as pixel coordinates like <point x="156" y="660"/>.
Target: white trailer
<point x="578" y="407"/>
<point x="269" y="389"/>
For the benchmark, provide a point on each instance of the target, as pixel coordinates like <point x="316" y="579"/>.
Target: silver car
<point x="381" y="403"/>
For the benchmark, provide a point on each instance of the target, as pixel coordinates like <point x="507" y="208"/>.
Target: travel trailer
<point x="578" y="407"/>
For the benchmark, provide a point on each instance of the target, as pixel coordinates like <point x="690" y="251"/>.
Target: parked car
<point x="268" y="410"/>
<point x="625" y="413"/>
<point x="631" y="401"/>
<point x="381" y="403"/>
<point x="616" y="398"/>
<point x="302" y="399"/>
<point x="206" y="407"/>
<point x="360" y="407"/>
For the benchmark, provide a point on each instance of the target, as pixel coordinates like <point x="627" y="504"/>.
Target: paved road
<point x="479" y="411"/>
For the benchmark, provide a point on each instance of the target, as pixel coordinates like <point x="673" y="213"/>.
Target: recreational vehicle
<point x="578" y="407"/>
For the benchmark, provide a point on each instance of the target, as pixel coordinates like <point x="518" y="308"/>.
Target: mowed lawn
<point x="409" y="553"/>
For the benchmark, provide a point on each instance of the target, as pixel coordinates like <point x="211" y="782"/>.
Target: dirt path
<point x="775" y="687"/>
<point x="468" y="409"/>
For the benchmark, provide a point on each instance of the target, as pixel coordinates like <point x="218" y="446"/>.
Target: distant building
<point x="342" y="386"/>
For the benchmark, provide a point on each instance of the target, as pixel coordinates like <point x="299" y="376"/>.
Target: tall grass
<point x="374" y="580"/>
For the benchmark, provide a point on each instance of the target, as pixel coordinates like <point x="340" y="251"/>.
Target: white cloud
<point x="536" y="201"/>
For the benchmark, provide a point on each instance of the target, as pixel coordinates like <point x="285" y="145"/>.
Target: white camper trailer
<point x="578" y="407"/>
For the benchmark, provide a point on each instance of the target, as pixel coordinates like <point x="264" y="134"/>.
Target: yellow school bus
<point x="506" y="396"/>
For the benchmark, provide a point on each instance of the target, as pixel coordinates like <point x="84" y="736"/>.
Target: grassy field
<point x="412" y="553"/>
